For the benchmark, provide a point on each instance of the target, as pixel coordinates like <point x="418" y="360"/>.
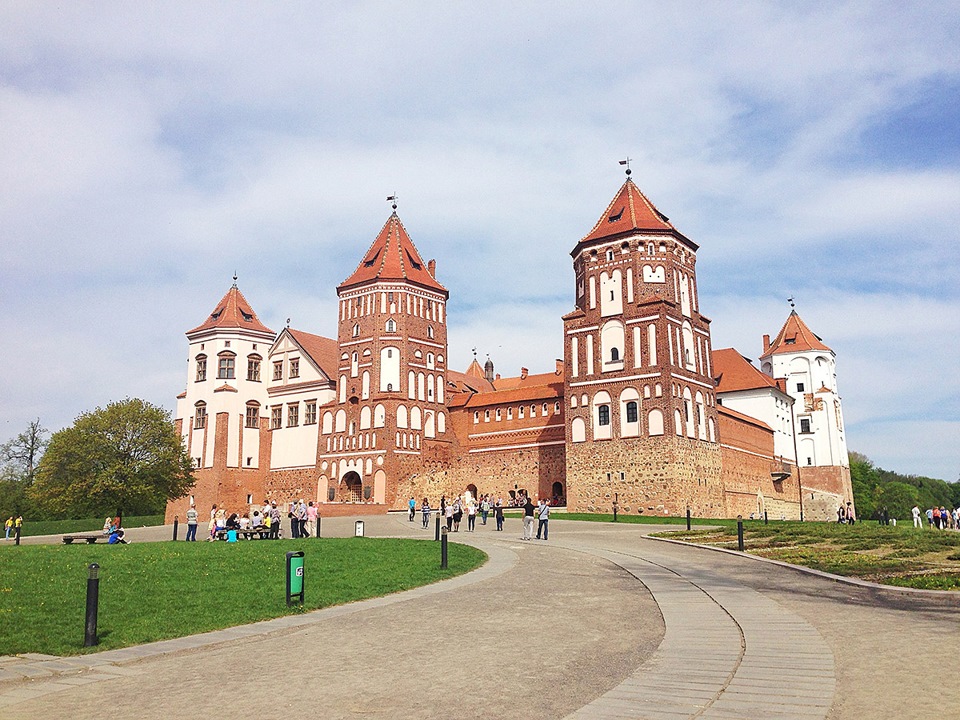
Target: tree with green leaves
<point x="125" y="456"/>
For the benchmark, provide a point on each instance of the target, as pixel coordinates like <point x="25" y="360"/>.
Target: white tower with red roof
<point x="640" y="407"/>
<point x="389" y="403"/>
<point x="809" y="370"/>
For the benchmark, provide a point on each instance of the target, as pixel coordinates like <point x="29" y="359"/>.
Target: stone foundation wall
<point x="660" y="476"/>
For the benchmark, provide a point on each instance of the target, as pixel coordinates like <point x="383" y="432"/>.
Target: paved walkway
<point x="544" y="630"/>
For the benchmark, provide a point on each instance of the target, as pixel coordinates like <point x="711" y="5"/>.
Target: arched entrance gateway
<point x="351" y="488"/>
<point x="471" y="492"/>
<point x="558" y="497"/>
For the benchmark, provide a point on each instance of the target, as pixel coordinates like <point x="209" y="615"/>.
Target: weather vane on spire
<point x="627" y="163"/>
<point x="393" y="199"/>
<point x="234" y="278"/>
<point x="792" y="304"/>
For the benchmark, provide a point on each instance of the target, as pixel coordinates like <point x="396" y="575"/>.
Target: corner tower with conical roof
<point x="392" y="340"/>
<point x="808" y="368"/>
<point x="641" y="414"/>
<point x="219" y="413"/>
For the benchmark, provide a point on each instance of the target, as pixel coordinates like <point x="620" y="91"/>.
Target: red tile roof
<point x="734" y="372"/>
<point x="724" y="410"/>
<point x="233" y="311"/>
<point x="528" y="381"/>
<point x="324" y="352"/>
<point x="475" y="370"/>
<point x="553" y="391"/>
<point x="393" y="256"/>
<point x="630" y="211"/>
<point x="795" y="336"/>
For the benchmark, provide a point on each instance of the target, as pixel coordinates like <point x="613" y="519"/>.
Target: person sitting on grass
<point x="116" y="537"/>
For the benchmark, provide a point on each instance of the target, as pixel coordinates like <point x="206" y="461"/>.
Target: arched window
<point x="401" y="416"/>
<point x="200" y="415"/>
<point x="252" y="418"/>
<point x="655" y="422"/>
<point x="226" y="368"/>
<point x="601" y="416"/>
<point x="356" y="330"/>
<point x="201" y="368"/>
<point x="578" y="430"/>
<point x="391" y="325"/>
<point x="379" y="417"/>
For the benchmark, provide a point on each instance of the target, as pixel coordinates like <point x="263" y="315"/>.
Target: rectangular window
<point x="201" y="419"/>
<point x="294" y="367"/>
<point x="293" y="414"/>
<point x="253" y="416"/>
<point x="253" y="370"/>
<point x="201" y="369"/>
<point x="800" y="387"/>
<point x="278" y="370"/>
<point x="631" y="412"/>
<point x="804" y="425"/>
<point x="310" y="412"/>
<point x="276" y="418"/>
<point x="226" y="371"/>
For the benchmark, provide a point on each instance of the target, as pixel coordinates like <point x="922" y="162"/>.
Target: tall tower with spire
<point x="808" y="368"/>
<point x="640" y="408"/>
<point x="389" y="406"/>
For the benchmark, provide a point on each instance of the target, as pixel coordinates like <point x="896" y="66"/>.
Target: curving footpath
<point x="599" y="622"/>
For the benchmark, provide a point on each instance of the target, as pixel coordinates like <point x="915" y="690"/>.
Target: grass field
<point x="156" y="591"/>
<point x="902" y="555"/>
<point x="61" y="527"/>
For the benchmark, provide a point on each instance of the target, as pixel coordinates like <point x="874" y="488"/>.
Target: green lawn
<point x="60" y="527"/>
<point x="155" y="591"/>
<point x="628" y="519"/>
<point x="900" y="555"/>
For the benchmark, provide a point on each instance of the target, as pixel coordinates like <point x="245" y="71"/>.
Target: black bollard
<point x="688" y="519"/>
<point x="176" y="524"/>
<point x="437" y="538"/>
<point x="318" y="525"/>
<point x="93" y="598"/>
<point x="766" y="520"/>
<point x="443" y="550"/>
<point x="740" y="533"/>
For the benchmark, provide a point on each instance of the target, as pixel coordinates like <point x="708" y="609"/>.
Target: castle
<point x="641" y="411"/>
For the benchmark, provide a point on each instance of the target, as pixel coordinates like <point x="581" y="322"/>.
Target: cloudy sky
<point x="150" y="150"/>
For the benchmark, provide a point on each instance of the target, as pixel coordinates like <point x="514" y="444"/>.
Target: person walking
<point x="192" y="517"/>
<point x="212" y="527"/>
<point x="498" y="514"/>
<point x="412" y="506"/>
<point x="484" y="509"/>
<point x="274" y="522"/>
<point x="448" y="515"/>
<point x="294" y="524"/>
<point x="543" y="516"/>
<point x="8" y="528"/>
<point x="916" y="517"/>
<point x="457" y="514"/>
<point x="312" y="520"/>
<point x="528" y="511"/>
<point x="425" y="509"/>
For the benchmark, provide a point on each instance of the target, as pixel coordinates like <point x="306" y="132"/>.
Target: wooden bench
<point x="91" y="539"/>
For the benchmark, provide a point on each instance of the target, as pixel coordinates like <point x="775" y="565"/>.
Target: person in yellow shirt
<point x="8" y="527"/>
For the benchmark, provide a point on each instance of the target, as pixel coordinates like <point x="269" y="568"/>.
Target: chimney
<point x="766" y="343"/>
<point x="559" y="370"/>
<point x="498" y="376"/>
<point x="523" y="373"/>
<point x="432" y="268"/>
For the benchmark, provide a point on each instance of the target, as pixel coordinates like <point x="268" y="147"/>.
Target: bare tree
<point x="22" y="454"/>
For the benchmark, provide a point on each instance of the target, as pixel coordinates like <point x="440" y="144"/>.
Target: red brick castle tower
<point x="392" y="340"/>
<point x="641" y="419"/>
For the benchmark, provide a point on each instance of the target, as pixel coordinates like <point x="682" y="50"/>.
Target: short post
<point x="437" y="538"/>
<point x="616" y="501"/>
<point x="93" y="598"/>
<point x="740" y="533"/>
<point x="688" y="519"/>
<point x="766" y="520"/>
<point x="443" y="549"/>
<point x="176" y="524"/>
<point x="294" y="577"/>
<point x="318" y="524"/>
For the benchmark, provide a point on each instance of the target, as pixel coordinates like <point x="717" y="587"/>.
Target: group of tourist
<point x="452" y="512"/>
<point x="260" y="522"/>
<point x="941" y="518"/>
<point x="845" y="514"/>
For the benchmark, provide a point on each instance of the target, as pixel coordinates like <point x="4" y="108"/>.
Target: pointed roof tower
<point x="393" y="256"/>
<point x="795" y="336"/>
<point x="232" y="312"/>
<point x="630" y="211"/>
<point x="475" y="370"/>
